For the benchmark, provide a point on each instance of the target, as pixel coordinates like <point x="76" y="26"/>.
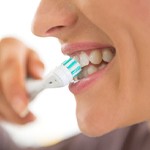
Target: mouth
<point x="92" y="61"/>
<point x="93" y="58"/>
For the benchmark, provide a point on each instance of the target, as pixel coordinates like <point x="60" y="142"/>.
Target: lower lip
<point x="80" y="86"/>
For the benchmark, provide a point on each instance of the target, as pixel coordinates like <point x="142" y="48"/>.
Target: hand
<point x="17" y="61"/>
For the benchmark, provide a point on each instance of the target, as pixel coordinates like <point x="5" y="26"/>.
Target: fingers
<point x="9" y="115"/>
<point x="13" y="89"/>
<point x="13" y="71"/>
<point x="35" y="67"/>
<point x="12" y="68"/>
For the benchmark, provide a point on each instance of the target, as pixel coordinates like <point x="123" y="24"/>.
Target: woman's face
<point x="111" y="40"/>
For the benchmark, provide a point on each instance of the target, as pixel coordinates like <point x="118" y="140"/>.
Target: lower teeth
<point x="90" y="70"/>
<point x="90" y="67"/>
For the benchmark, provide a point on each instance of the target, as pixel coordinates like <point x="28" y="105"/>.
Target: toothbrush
<point x="59" y="77"/>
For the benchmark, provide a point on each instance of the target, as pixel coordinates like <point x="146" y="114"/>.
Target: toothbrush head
<point x="66" y="72"/>
<point x="59" y="77"/>
<point x="73" y="66"/>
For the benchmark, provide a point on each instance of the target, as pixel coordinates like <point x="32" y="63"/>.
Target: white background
<point x="54" y="108"/>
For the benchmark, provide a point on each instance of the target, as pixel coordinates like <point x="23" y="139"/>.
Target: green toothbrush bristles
<point x="73" y="66"/>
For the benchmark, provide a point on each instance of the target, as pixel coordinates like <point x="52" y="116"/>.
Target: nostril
<point x="54" y="30"/>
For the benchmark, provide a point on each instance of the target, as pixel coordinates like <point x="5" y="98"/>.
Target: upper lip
<point x="69" y="49"/>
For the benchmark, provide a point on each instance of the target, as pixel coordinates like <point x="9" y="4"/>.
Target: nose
<point x="52" y="17"/>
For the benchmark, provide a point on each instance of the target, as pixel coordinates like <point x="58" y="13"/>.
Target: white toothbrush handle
<point x="58" y="78"/>
<point x="33" y="87"/>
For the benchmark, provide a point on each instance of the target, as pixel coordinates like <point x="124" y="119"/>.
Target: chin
<point x="94" y="127"/>
<point x="91" y="131"/>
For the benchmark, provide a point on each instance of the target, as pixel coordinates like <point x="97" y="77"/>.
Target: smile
<point x="94" y="60"/>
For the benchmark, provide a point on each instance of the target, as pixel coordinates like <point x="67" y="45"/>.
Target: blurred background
<point x="54" y="108"/>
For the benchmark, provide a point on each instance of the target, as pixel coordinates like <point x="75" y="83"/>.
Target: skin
<point x="123" y="24"/>
<point x="14" y="68"/>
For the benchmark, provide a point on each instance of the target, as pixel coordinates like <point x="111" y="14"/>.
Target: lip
<point x="85" y="83"/>
<point x="69" y="49"/>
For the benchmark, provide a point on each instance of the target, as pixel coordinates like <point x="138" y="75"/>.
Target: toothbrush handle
<point x="53" y="80"/>
<point x="59" y="77"/>
<point x="33" y="87"/>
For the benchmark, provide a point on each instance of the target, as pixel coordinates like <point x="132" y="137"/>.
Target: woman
<point x="110" y="39"/>
<point x="108" y="34"/>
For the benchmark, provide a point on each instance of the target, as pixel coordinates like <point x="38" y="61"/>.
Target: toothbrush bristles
<point x="73" y="66"/>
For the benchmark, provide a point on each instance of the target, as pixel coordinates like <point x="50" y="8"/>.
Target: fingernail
<point x="31" y="118"/>
<point x="20" y="107"/>
<point x="39" y="71"/>
<point x="24" y="113"/>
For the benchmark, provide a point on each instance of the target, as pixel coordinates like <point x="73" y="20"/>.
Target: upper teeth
<point x="84" y="60"/>
<point x="95" y="57"/>
<point x="93" y="61"/>
<point x="107" y="55"/>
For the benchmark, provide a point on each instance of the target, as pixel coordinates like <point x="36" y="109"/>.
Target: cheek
<point x="100" y="14"/>
<point x="98" y="109"/>
<point x="94" y="10"/>
<point x="121" y="13"/>
<point x="109" y="104"/>
<point x="122" y="102"/>
<point x="98" y="115"/>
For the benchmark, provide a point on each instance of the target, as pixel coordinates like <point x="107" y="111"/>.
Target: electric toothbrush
<point x="59" y="77"/>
